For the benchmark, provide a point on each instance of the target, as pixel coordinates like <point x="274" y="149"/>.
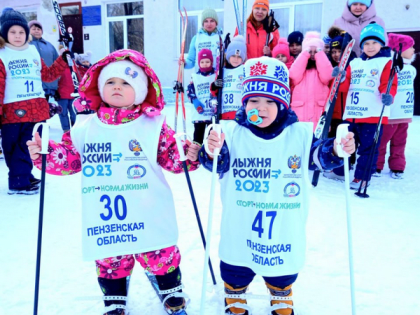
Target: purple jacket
<point x="354" y="25"/>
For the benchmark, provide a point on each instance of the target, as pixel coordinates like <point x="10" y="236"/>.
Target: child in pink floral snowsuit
<point x="106" y="89"/>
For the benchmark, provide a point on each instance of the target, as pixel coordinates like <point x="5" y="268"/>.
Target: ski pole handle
<point x="218" y="129"/>
<point x="179" y="137"/>
<point x="342" y="131"/>
<point x="45" y="136"/>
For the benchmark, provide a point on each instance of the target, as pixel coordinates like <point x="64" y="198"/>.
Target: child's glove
<point x="218" y="83"/>
<point x="336" y="72"/>
<point x="55" y="109"/>
<point x="387" y="99"/>
<point x="198" y="106"/>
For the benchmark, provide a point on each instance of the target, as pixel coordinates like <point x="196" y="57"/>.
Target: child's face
<point x="205" y="63"/>
<point x="295" y="49"/>
<point x="371" y="47"/>
<point x="327" y="48"/>
<point x="282" y="58"/>
<point x="267" y="109"/>
<point x="209" y="25"/>
<point x="118" y="93"/>
<point x="86" y="63"/>
<point x="16" y="36"/>
<point x="335" y="54"/>
<point x="408" y="54"/>
<point x="235" y="60"/>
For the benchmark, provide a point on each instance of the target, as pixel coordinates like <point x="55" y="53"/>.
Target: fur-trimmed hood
<point x="90" y="98"/>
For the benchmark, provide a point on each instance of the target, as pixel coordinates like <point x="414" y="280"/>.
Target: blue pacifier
<point x="253" y="117"/>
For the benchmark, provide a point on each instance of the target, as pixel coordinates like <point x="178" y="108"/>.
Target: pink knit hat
<point x="394" y="41"/>
<point x="205" y="54"/>
<point x="282" y="47"/>
<point x="312" y="38"/>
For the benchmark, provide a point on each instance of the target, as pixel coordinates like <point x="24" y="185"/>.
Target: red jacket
<point x="65" y="83"/>
<point x="256" y="39"/>
<point x="35" y="109"/>
<point x="344" y="87"/>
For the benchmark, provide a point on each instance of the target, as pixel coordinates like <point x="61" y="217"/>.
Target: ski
<point x="64" y="34"/>
<point x="169" y="293"/>
<point x="240" y="21"/>
<point x="323" y="126"/>
<point x="178" y="87"/>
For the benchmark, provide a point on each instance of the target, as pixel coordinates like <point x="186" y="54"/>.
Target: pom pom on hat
<point x="128" y="71"/>
<point x="373" y="31"/>
<point x="266" y="77"/>
<point x="237" y="47"/>
<point x="367" y="3"/>
<point x="9" y="18"/>
<point x="394" y="41"/>
<point x="83" y="57"/>
<point x="295" y="37"/>
<point x="282" y="47"/>
<point x="312" y="38"/>
<point x="209" y="14"/>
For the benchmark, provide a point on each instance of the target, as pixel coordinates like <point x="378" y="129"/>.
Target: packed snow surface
<point x="386" y="240"/>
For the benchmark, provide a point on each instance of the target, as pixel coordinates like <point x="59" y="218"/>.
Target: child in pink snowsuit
<point x="128" y="209"/>
<point x="401" y="112"/>
<point x="310" y="76"/>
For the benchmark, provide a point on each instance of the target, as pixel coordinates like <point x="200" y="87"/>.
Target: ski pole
<point x="217" y="128"/>
<point x="43" y="152"/>
<point x="182" y="157"/>
<point x="342" y="131"/>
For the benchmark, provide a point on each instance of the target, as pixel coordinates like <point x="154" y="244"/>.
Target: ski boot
<point x="234" y="303"/>
<point x="281" y="303"/>
<point x="169" y="289"/>
<point x="115" y="295"/>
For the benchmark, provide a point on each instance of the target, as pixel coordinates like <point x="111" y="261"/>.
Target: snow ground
<point x="386" y="239"/>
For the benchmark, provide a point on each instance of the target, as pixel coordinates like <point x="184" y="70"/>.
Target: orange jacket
<point x="255" y="40"/>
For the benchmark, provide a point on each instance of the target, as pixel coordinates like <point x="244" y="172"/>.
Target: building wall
<point x="161" y="22"/>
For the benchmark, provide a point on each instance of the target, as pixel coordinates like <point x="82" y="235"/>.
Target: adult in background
<point x="356" y="15"/>
<point x="310" y="76"/>
<point x="206" y="38"/>
<point x="48" y="53"/>
<point x="256" y="36"/>
<point x="295" y="40"/>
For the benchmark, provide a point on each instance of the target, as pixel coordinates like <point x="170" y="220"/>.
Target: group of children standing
<point x="258" y="96"/>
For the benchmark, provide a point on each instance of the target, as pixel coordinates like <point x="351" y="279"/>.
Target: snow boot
<point x="232" y="304"/>
<point x="284" y="304"/>
<point x="332" y="175"/>
<point x="355" y="184"/>
<point x="397" y="174"/>
<point x="170" y="287"/>
<point x="378" y="173"/>
<point x="115" y="295"/>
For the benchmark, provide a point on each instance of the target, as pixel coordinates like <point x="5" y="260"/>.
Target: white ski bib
<point x="204" y="41"/>
<point x="127" y="204"/>
<point x="202" y="90"/>
<point x="265" y="200"/>
<point x="364" y="98"/>
<point x="23" y="74"/>
<point x="403" y="106"/>
<point x="232" y="89"/>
